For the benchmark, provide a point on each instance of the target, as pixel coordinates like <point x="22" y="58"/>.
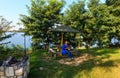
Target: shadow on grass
<point x="40" y="67"/>
<point x="101" y="56"/>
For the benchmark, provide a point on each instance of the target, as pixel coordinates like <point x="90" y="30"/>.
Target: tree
<point x="42" y="16"/>
<point x="100" y="14"/>
<point x="4" y="26"/>
<point x="97" y="23"/>
<point x="77" y="16"/>
<point x="114" y="21"/>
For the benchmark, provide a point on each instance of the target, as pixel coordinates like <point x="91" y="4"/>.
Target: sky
<point x="11" y="9"/>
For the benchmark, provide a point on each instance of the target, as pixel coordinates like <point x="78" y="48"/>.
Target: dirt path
<point x="76" y="61"/>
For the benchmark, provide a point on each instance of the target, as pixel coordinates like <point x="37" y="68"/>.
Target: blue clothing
<point x="64" y="51"/>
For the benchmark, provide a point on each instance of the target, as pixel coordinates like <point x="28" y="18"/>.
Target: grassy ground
<point x="104" y="63"/>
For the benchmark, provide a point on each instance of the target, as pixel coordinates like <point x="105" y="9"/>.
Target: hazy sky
<point x="11" y="9"/>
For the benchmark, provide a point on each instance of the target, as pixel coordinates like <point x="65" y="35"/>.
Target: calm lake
<point x="18" y="39"/>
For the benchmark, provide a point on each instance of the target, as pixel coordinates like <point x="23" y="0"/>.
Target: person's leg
<point x="69" y="54"/>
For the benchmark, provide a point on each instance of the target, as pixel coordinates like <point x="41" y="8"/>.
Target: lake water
<point x="18" y="39"/>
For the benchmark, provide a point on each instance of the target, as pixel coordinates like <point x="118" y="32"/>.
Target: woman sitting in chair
<point x="65" y="50"/>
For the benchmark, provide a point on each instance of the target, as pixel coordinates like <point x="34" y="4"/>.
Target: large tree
<point x="100" y="14"/>
<point x="105" y="21"/>
<point x="42" y="16"/>
<point x="77" y="15"/>
<point x="98" y="23"/>
<point x="114" y="21"/>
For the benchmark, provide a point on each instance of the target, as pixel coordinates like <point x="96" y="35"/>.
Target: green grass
<point x="105" y="63"/>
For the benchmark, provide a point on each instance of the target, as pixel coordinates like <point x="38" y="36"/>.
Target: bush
<point x="16" y="51"/>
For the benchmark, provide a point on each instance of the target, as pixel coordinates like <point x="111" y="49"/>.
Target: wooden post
<point x="62" y="39"/>
<point x="25" y="45"/>
<point x="61" y="42"/>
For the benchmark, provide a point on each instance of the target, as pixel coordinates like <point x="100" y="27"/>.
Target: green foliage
<point x="77" y="16"/>
<point x="4" y="26"/>
<point x="16" y="51"/>
<point x="114" y="21"/>
<point x="42" y="16"/>
<point x="100" y="30"/>
<point x="99" y="22"/>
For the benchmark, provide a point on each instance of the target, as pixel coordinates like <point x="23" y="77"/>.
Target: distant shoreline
<point x="14" y="31"/>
